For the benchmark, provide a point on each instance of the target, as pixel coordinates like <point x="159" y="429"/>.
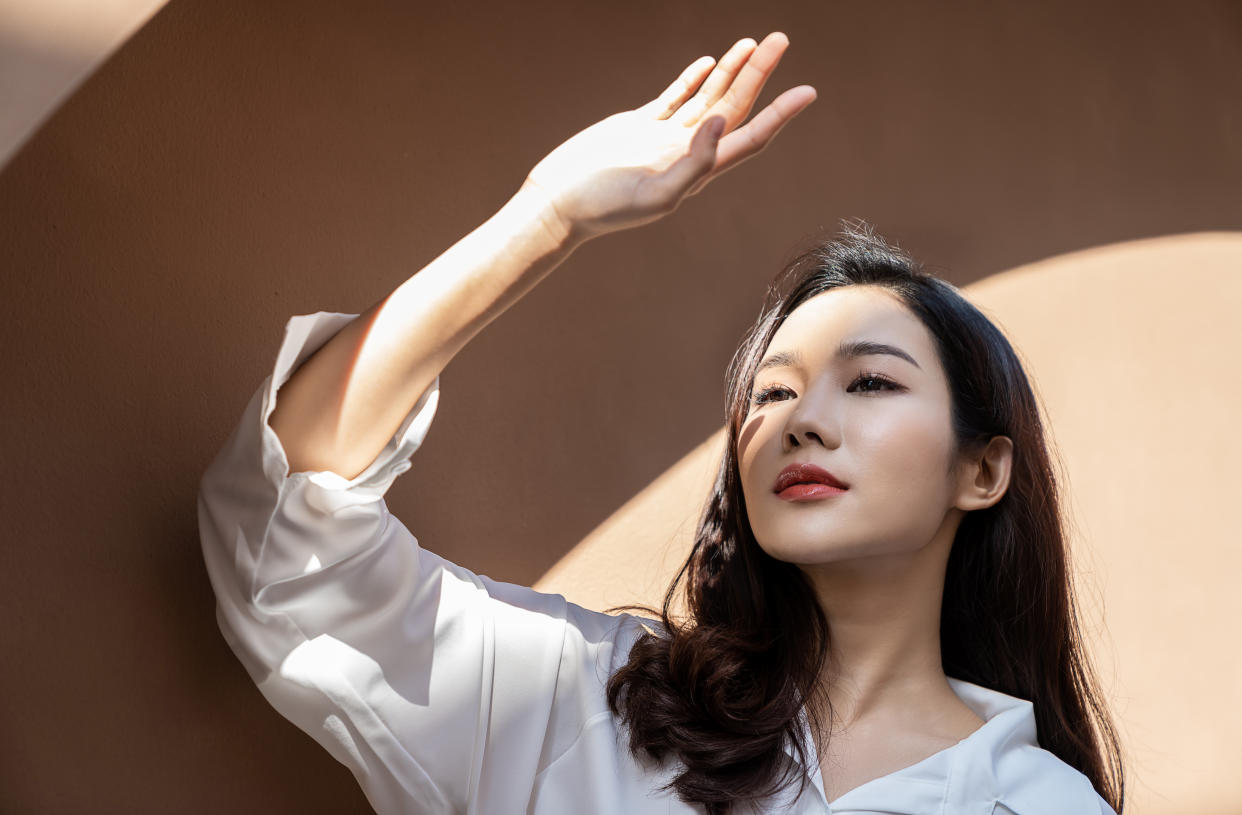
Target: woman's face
<point x="877" y="422"/>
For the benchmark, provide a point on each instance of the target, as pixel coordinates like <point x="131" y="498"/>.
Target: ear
<point x="984" y="475"/>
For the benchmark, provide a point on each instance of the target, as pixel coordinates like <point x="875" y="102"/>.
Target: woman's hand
<point x="637" y="166"/>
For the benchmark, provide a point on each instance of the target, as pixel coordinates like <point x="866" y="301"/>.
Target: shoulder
<point x="1034" y="781"/>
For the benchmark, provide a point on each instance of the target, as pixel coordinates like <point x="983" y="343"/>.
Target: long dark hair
<point x="723" y="688"/>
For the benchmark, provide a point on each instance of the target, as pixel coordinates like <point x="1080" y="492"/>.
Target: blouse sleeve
<point x="441" y="690"/>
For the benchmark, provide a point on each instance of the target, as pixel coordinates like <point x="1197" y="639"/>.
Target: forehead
<point x="816" y="326"/>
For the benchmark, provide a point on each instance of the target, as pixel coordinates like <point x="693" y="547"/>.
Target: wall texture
<point x="236" y="163"/>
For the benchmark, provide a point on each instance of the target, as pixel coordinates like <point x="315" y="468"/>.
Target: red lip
<point x="806" y="473"/>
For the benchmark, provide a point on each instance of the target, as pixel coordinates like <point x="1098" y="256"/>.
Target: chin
<point x="803" y="551"/>
<point x="809" y="553"/>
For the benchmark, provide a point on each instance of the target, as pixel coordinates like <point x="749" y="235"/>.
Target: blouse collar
<point x="953" y="779"/>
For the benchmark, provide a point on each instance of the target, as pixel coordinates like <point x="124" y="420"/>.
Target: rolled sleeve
<point x="440" y="689"/>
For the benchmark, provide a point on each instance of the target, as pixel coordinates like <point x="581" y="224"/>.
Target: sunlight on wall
<point x="50" y="47"/>
<point x="632" y="556"/>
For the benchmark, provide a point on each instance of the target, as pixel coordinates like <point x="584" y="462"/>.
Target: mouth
<point x="804" y="475"/>
<point x="808" y="492"/>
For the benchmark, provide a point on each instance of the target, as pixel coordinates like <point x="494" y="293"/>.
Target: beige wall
<point x="236" y="163"/>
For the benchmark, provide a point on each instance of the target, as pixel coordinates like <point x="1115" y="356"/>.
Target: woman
<point x="881" y="610"/>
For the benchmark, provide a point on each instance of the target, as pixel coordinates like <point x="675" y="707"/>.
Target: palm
<point x="638" y="165"/>
<point x="613" y="164"/>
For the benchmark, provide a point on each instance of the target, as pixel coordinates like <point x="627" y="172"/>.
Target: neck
<point x="884" y="622"/>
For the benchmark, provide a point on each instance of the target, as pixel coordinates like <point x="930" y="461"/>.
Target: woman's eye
<point x="874" y="382"/>
<point x="864" y="383"/>
<point x="765" y="395"/>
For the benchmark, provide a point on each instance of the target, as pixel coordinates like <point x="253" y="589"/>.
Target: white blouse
<point x="449" y="692"/>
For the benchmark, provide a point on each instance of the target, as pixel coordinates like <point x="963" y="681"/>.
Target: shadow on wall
<point x="1132" y="349"/>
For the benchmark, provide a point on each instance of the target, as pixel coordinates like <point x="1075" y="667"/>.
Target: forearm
<point x="341" y="407"/>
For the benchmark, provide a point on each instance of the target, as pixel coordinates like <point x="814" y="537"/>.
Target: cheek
<point x="905" y="455"/>
<point x="750" y="442"/>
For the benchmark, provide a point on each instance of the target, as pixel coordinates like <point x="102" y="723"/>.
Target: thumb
<point x="701" y="158"/>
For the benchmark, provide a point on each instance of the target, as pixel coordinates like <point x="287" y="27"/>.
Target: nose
<point x="812" y="421"/>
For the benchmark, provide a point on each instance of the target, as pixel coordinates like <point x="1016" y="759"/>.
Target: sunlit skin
<point x="876" y="553"/>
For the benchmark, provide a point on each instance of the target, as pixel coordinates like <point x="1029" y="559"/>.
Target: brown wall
<point x="236" y="163"/>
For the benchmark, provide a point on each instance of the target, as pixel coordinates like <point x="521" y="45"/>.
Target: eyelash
<point x="761" y="397"/>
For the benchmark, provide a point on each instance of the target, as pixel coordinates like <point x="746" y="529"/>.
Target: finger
<point x="717" y="83"/>
<point x="683" y="86"/>
<point x="750" y="140"/>
<point x="746" y="141"/>
<point x="694" y="165"/>
<point x="737" y="100"/>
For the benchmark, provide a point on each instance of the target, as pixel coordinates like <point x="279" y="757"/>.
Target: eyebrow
<point x="848" y="349"/>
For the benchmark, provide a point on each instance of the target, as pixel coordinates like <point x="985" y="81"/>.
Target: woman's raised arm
<point x="344" y="403"/>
